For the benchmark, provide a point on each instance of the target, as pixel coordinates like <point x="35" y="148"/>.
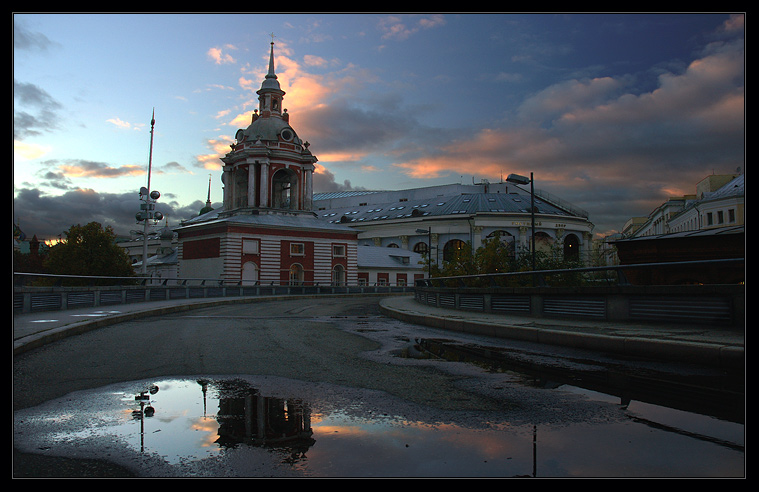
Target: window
<point x="338" y="275"/>
<point x="250" y="246"/>
<point x="297" y="249"/>
<point x="338" y="250"/>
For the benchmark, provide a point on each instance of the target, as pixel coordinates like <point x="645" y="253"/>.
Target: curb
<point x="36" y="340"/>
<point x="724" y="356"/>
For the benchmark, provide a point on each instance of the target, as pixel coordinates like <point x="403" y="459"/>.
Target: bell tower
<point x="269" y="169"/>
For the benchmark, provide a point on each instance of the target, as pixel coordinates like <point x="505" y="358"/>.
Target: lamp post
<point x="429" y="249"/>
<point x="522" y="180"/>
<point x="148" y="208"/>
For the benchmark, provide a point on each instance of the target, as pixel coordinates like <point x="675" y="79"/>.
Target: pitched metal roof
<point x="464" y="204"/>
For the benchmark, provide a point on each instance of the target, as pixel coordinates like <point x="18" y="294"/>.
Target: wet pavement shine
<point x="397" y="390"/>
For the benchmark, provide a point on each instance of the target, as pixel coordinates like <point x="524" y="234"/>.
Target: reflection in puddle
<point x="236" y="426"/>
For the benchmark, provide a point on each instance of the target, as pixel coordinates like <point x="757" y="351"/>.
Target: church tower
<point x="269" y="168"/>
<point x="266" y="233"/>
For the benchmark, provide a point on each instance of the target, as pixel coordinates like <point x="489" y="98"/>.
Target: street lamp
<point x="522" y="180"/>
<point x="428" y="231"/>
<point x="147" y="212"/>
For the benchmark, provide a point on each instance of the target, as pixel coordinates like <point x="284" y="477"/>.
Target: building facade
<point x="443" y="218"/>
<point x="718" y="202"/>
<point x="266" y="232"/>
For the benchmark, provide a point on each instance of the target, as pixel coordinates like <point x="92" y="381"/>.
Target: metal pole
<point x="147" y="201"/>
<point x="429" y="253"/>
<point x="532" y="210"/>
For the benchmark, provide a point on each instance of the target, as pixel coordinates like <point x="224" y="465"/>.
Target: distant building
<point x="444" y="217"/>
<point x="718" y="202"/>
<point x="389" y="266"/>
<point x="706" y="226"/>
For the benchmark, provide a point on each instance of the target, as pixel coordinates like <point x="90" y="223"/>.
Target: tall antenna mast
<point x="150" y="155"/>
<point x="149" y="197"/>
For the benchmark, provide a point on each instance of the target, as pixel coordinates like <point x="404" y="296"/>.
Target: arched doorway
<point x="250" y="273"/>
<point x="284" y="185"/>
<point x="296" y="274"/>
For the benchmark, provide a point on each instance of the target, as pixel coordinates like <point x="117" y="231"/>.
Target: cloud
<point x="35" y="98"/>
<point x="125" y="125"/>
<point x="402" y="27"/>
<point x="324" y="181"/>
<point x="585" y="137"/>
<point x="90" y="169"/>
<point x="220" y="57"/>
<point x="47" y="215"/>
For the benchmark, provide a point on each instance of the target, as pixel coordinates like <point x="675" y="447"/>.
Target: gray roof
<point x="388" y="258"/>
<point x="302" y="221"/>
<point x="734" y="188"/>
<point x="465" y="204"/>
<point x="716" y="231"/>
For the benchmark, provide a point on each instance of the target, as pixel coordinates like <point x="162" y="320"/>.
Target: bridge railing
<point x="599" y="293"/>
<point x="28" y="297"/>
<point x="609" y="275"/>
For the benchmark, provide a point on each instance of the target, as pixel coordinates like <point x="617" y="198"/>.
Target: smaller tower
<point x="208" y="207"/>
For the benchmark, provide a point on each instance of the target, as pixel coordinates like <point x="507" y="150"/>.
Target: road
<point x="296" y="339"/>
<point x="340" y="341"/>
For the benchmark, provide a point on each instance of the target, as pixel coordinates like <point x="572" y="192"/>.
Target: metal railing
<point x="597" y="293"/>
<point x="586" y="275"/>
<point x="126" y="290"/>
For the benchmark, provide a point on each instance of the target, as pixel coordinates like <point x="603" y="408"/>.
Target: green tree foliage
<point x="495" y="256"/>
<point x="89" y="250"/>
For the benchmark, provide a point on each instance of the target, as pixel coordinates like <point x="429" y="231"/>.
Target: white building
<point x="449" y="215"/>
<point x="718" y="202"/>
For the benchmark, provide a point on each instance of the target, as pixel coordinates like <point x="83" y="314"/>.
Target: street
<point x="343" y="342"/>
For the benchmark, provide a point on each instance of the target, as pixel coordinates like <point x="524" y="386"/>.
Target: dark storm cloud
<point x="34" y="98"/>
<point x="47" y="216"/>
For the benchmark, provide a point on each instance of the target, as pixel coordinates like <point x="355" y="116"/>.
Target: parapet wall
<point x="722" y="305"/>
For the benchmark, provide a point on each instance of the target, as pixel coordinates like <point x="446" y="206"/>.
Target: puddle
<point x="244" y="426"/>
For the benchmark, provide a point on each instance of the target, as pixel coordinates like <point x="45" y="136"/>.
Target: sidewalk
<point x="701" y="344"/>
<point x="31" y="330"/>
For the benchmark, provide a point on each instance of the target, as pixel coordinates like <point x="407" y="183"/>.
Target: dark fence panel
<point x="28" y="299"/>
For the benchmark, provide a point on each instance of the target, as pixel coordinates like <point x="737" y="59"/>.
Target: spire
<point x="271" y="60"/>
<point x="270" y="81"/>
<point x="208" y="206"/>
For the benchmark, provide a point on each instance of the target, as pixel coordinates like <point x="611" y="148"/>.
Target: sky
<point x="613" y="113"/>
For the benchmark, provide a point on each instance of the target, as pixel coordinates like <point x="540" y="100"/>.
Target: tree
<point x="89" y="250"/>
<point x="494" y="256"/>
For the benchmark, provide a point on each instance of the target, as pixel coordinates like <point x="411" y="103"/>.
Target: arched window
<point x="338" y="275"/>
<point x="296" y="274"/>
<point x="543" y="242"/>
<point x="452" y="249"/>
<point x="421" y="248"/>
<point x="571" y="247"/>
